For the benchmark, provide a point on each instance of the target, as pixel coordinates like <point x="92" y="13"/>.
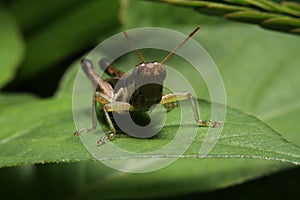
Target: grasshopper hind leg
<point x="102" y="95"/>
<point x="108" y="68"/>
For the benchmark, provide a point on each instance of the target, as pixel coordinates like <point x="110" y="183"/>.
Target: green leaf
<point x="67" y="82"/>
<point x="262" y="12"/>
<point x="10" y="100"/>
<point x="28" y="19"/>
<point x="40" y="137"/>
<point x="249" y="16"/>
<point x="292" y="5"/>
<point x="268" y="94"/>
<point x="281" y="23"/>
<point x="12" y="46"/>
<point x="259" y="68"/>
<point x="91" y="180"/>
<point x="63" y="37"/>
<point x="273" y="7"/>
<point x="45" y="134"/>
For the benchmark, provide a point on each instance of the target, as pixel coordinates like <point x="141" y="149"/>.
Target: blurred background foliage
<point x="275" y="15"/>
<point x="39" y="40"/>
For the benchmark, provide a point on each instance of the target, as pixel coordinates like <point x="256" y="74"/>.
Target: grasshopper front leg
<point x="94" y="120"/>
<point x="109" y="106"/>
<point x="180" y="96"/>
<point x="112" y="106"/>
<point x="102" y="99"/>
<point x="111" y="128"/>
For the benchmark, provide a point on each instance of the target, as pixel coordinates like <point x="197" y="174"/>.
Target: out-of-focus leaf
<point x="260" y="10"/>
<point x="281" y="23"/>
<point x="91" y="180"/>
<point x="74" y="31"/>
<point x="33" y="14"/>
<point x="67" y="82"/>
<point x="10" y="100"/>
<point x="11" y="46"/>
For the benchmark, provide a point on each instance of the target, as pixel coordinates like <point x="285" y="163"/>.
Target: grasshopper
<point x="142" y="98"/>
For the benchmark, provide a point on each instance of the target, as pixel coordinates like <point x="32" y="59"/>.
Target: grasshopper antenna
<point x="134" y="47"/>
<point x="180" y="45"/>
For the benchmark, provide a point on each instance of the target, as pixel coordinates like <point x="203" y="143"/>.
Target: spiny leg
<point x="111" y="128"/>
<point x="97" y="97"/>
<point x="113" y="107"/>
<point x="94" y="120"/>
<point x="88" y="69"/>
<point x="169" y="106"/>
<point x="180" y="96"/>
<point x="104" y="99"/>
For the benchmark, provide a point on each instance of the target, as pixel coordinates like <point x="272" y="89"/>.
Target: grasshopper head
<point x="149" y="78"/>
<point x="150" y="72"/>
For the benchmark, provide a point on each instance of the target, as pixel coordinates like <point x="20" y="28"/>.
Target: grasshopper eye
<point x="150" y="65"/>
<point x="139" y="69"/>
